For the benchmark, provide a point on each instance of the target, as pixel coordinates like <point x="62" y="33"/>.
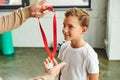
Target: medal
<point x="49" y="65"/>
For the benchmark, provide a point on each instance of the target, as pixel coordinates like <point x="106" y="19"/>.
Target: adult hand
<point x="51" y="74"/>
<point x="1" y="78"/>
<point x="39" y="9"/>
<point x="48" y="63"/>
<point x="56" y="69"/>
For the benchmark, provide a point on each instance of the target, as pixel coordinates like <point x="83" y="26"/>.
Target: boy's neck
<point x="78" y="44"/>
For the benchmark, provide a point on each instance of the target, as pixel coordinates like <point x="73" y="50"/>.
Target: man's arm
<point x="52" y="73"/>
<point x="16" y="18"/>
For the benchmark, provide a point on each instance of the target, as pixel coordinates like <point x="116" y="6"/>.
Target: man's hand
<point x="39" y="9"/>
<point x="51" y="74"/>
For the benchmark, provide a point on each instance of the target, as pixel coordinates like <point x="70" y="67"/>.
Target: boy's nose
<point x="65" y="30"/>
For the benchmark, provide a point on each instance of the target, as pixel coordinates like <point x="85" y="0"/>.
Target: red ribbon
<point x="53" y="53"/>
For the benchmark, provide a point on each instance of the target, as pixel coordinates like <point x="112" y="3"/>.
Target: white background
<point x="66" y="2"/>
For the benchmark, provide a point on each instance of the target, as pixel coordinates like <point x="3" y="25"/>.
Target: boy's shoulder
<point x="89" y="51"/>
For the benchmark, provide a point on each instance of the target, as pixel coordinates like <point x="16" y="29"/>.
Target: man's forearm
<point x="14" y="20"/>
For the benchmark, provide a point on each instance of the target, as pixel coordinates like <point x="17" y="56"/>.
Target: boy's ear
<point x="84" y="29"/>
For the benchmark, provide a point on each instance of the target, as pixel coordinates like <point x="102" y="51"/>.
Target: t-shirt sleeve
<point x="60" y="55"/>
<point x="93" y="64"/>
<point x="61" y="51"/>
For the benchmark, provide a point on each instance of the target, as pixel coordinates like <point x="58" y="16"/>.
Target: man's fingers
<point x="61" y="65"/>
<point x="55" y="62"/>
<point x="45" y="69"/>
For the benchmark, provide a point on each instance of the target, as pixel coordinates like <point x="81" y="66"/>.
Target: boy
<point x="81" y="60"/>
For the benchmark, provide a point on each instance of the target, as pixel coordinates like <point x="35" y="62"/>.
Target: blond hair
<point x="82" y="15"/>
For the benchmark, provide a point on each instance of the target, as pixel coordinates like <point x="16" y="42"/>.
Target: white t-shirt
<point x="80" y="61"/>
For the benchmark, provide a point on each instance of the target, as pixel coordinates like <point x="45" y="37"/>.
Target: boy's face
<point x="72" y="30"/>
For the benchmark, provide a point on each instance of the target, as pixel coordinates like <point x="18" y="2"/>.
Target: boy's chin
<point x="67" y="39"/>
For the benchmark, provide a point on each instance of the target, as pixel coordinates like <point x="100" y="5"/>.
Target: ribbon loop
<point x="53" y="53"/>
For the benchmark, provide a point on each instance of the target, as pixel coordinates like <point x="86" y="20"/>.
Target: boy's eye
<point x="71" y="26"/>
<point x="68" y="26"/>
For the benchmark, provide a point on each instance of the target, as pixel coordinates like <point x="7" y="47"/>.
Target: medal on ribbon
<point x="53" y="53"/>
